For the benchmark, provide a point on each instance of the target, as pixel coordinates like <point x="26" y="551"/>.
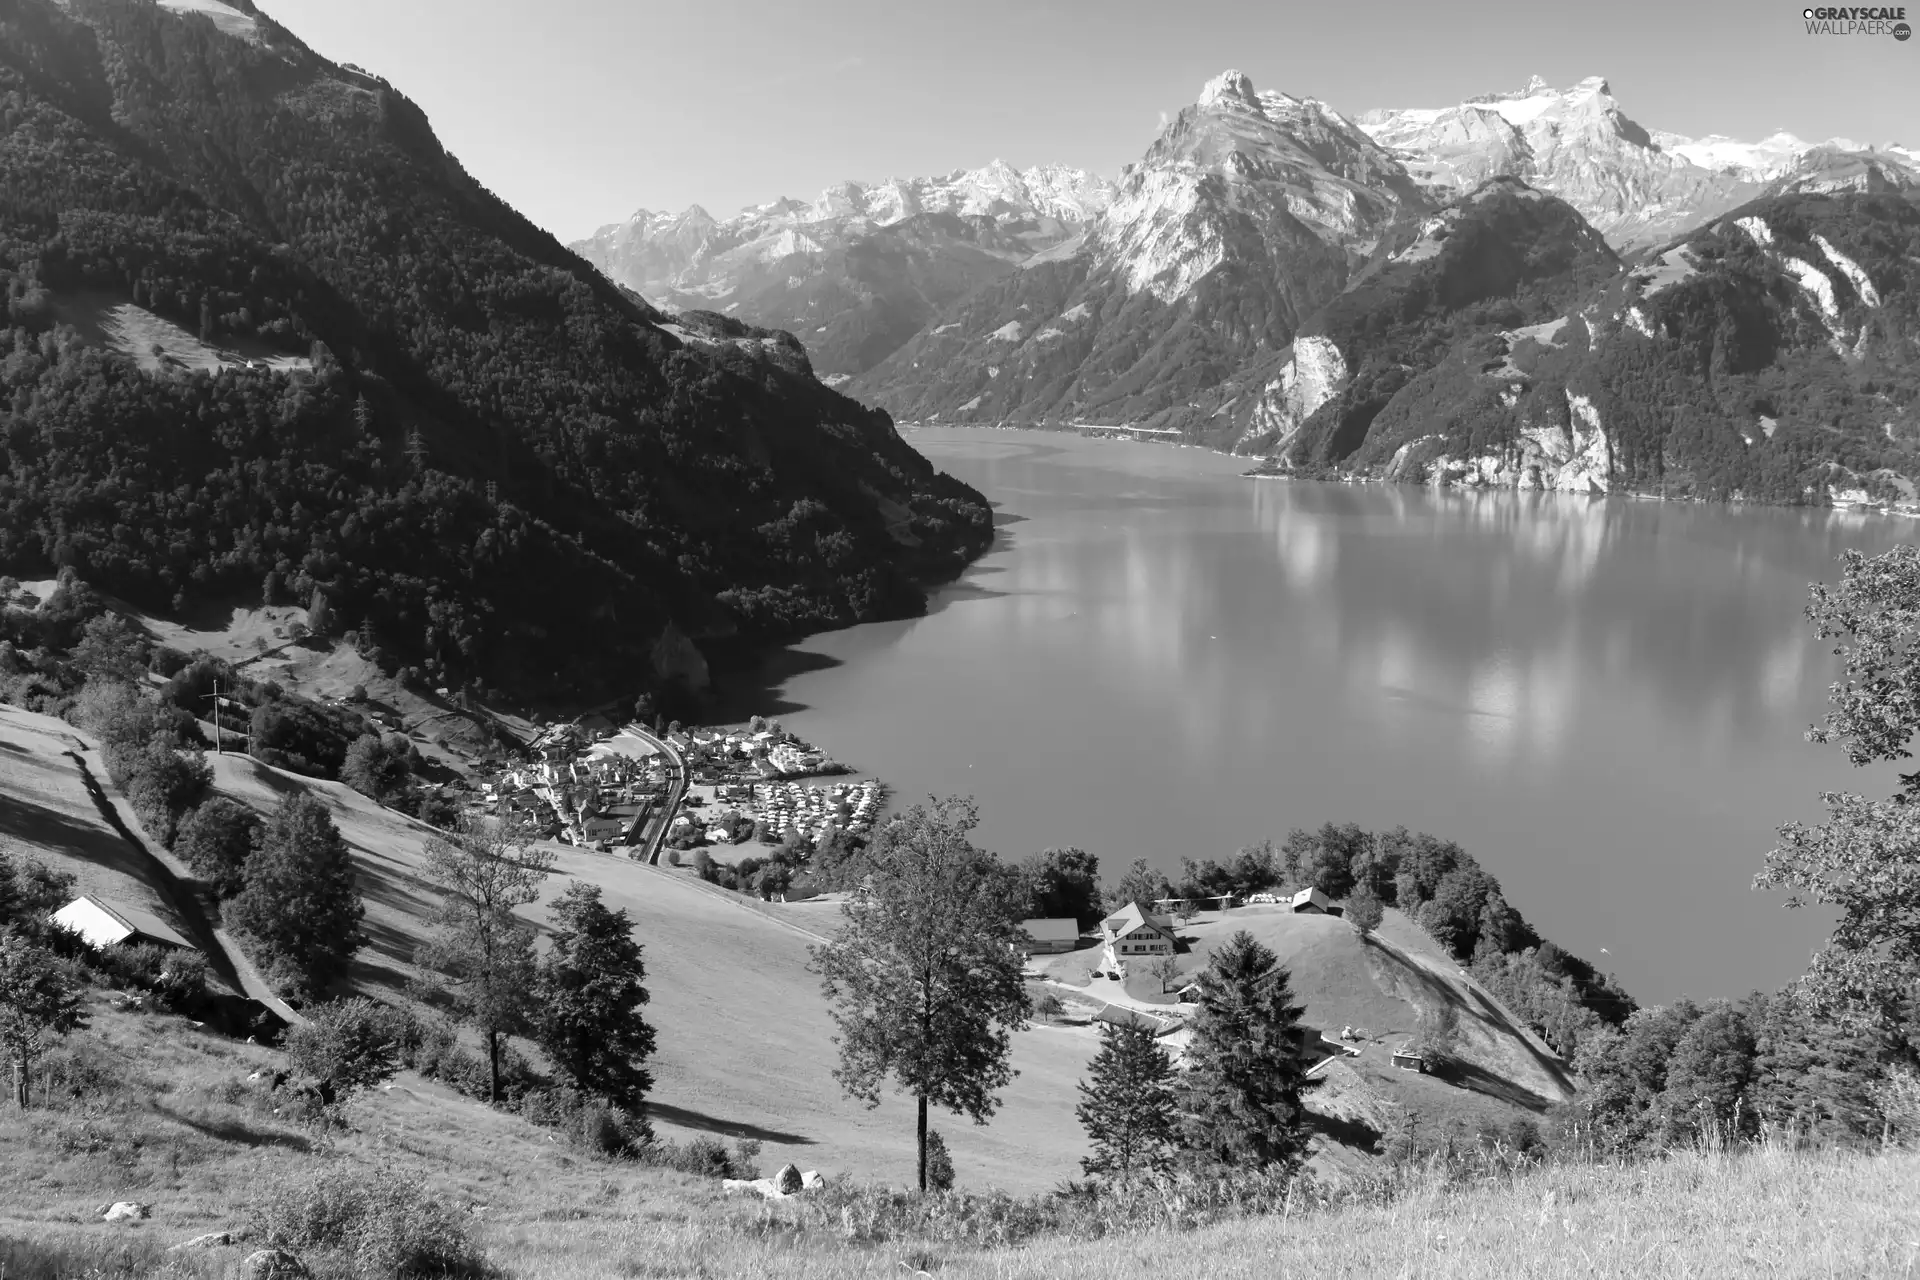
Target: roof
<point x="1121" y="1016"/>
<point x="1131" y="917"/>
<point x="1052" y="929"/>
<point x="102" y="925"/>
<point x="1310" y="897"/>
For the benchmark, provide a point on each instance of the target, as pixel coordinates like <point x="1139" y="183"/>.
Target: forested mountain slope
<point x="265" y="332"/>
<point x="1773" y="355"/>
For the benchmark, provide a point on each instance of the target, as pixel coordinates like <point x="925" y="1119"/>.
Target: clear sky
<point x="581" y="111"/>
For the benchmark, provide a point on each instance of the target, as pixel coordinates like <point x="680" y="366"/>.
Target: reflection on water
<point x="1604" y="700"/>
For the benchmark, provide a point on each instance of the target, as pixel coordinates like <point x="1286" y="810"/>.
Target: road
<point x="676" y="791"/>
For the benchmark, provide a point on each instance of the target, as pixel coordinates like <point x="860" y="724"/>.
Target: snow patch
<point x="1008" y="332"/>
<point x="1078" y="311"/>
<point x="1768" y="426"/>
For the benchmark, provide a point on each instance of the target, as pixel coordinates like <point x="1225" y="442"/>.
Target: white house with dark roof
<point x="1131" y="934"/>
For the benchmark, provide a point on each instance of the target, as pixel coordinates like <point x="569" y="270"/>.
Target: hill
<point x="745" y="1039"/>
<point x="155" y="1111"/>
<point x="268" y="339"/>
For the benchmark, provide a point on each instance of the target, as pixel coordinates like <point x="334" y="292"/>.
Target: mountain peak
<point x="1233" y="85"/>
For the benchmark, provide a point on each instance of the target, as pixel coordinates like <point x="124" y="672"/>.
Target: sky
<point x="579" y="112"/>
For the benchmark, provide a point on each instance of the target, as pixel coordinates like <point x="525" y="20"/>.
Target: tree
<point x="373" y="769"/>
<point x="215" y="840"/>
<point x="1863" y="861"/>
<point x="1364" y="911"/>
<point x="1127" y="1106"/>
<point x="589" y="997"/>
<point x="37" y="1002"/>
<point x="925" y="973"/>
<point x="1141" y="884"/>
<point x="483" y="952"/>
<point x="300" y="904"/>
<point x="111" y="649"/>
<point x="348" y="1043"/>
<point x="1240" y="1100"/>
<point x="1873" y="616"/>
<point x="1167" y="970"/>
<point x="1048" y="1006"/>
<point x="1709" y="1079"/>
<point x="1065" y="883"/>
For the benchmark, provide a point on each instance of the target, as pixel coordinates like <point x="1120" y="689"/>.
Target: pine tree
<point x="1240" y="1100"/>
<point x="926" y="974"/>
<point x="483" y="952"/>
<point x="589" y="997"/>
<point x="1127" y="1107"/>
<point x="300" y="904"/>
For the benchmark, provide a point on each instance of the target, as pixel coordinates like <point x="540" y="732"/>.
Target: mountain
<point x="1639" y="187"/>
<point x="860" y="269"/>
<point x="1249" y="212"/>
<point x="1772" y="355"/>
<point x="266" y="337"/>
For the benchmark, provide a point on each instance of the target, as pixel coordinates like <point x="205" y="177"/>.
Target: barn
<point x="102" y="924"/>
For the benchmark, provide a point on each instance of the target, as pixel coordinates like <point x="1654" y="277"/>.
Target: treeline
<point x="496" y="455"/>
<point x="1440" y="887"/>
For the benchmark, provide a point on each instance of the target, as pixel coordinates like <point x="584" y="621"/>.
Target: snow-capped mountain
<point x="858" y="270"/>
<point x="1639" y="187"/>
<point x="1248" y="212"/>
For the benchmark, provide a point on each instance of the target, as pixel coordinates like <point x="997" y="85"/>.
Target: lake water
<point x="1603" y="700"/>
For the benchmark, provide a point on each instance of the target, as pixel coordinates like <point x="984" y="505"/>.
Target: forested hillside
<point x="266" y="337"/>
<point x="1773" y="355"/>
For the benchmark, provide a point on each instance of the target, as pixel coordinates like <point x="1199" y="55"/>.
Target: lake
<point x="1603" y="700"/>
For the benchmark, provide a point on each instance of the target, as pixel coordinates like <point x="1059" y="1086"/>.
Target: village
<point x="629" y="789"/>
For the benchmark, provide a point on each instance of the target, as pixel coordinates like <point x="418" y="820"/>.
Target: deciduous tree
<point x="300" y="904"/>
<point x="481" y="950"/>
<point x="1066" y="883"/>
<point x="925" y="973"/>
<point x="37" y="1003"/>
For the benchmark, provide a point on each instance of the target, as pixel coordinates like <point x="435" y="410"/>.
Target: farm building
<point x="1123" y="1017"/>
<point x="1050" y="935"/>
<point x="101" y="925"/>
<point x="1408" y="1060"/>
<point x="1173" y="906"/>
<point x="1313" y="902"/>
<point x="1131" y="932"/>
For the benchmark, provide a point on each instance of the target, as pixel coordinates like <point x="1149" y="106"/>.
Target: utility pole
<point x="217" y="731"/>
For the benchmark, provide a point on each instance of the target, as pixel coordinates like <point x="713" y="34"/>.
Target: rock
<point x="211" y="1240"/>
<point x="811" y="1180"/>
<point x="272" y="1264"/>
<point x="788" y="1180"/>
<point x="127" y="1211"/>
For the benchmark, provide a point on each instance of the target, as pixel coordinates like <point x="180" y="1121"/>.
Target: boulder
<point x="788" y="1180"/>
<point x="759" y="1186"/>
<point x="811" y="1180"/>
<point x="211" y="1240"/>
<point x="126" y="1211"/>
<point x="273" y="1264"/>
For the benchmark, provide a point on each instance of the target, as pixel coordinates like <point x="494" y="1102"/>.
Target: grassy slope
<point x="178" y="1126"/>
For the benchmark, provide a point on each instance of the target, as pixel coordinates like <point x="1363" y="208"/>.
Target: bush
<point x="352" y="1043"/>
<point x="377" y="1222"/>
<point x="215" y="840"/>
<point x="939" y="1162"/>
<point x="673" y="857"/>
<point x="182" y="981"/>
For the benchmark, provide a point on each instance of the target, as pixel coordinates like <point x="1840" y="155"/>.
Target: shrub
<point x="379" y="1223"/>
<point x="182" y="981"/>
<point x="215" y="840"/>
<point x="673" y="857"/>
<point x="939" y="1162"/>
<point x="353" y="1043"/>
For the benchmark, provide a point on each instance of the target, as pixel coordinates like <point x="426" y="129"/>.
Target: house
<point x="1123" y="1017"/>
<point x="1051" y="935"/>
<point x="1131" y="932"/>
<point x="1312" y="902"/>
<point x="102" y="925"/>
<point x="1407" y="1060"/>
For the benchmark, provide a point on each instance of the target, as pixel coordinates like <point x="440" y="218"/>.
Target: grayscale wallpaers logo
<point x="1873" y="21"/>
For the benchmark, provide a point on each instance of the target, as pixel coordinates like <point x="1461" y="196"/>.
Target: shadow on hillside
<point x="1466" y="1075"/>
<point x="1348" y="1133"/>
<point x="748" y="684"/>
<point x="687" y="1119"/>
<point x="236" y="1131"/>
